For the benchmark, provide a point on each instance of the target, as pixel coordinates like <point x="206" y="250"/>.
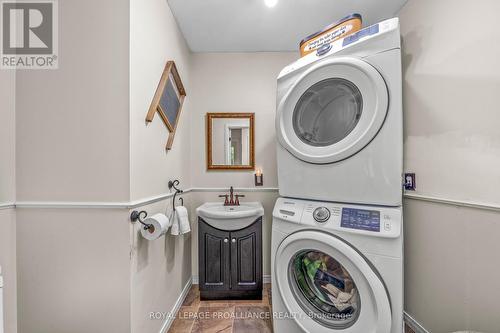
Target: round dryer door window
<point x="332" y="111"/>
<point x="327" y="285"/>
<point x="327" y="112"/>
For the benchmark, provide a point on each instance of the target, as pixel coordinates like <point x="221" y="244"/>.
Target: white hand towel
<point x="182" y="219"/>
<point x="174" y="230"/>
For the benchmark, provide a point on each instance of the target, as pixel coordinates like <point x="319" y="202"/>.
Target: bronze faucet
<point x="233" y="199"/>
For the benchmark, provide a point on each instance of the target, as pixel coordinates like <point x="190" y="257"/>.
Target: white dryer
<point x="339" y="120"/>
<point x="336" y="268"/>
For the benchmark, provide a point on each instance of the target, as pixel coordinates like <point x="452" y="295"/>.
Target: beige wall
<point x="236" y="82"/>
<point x="8" y="263"/>
<point x="451" y="85"/>
<point x="73" y="270"/>
<point x="451" y="275"/>
<point x="452" y="142"/>
<point x="7" y="136"/>
<point x="72" y="134"/>
<point x="7" y="196"/>
<point x="155" y="39"/>
<point x="72" y="123"/>
<point x="159" y="269"/>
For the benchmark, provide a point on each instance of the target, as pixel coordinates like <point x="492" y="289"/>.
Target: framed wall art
<point x="168" y="100"/>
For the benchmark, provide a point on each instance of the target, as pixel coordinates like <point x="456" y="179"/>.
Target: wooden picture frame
<point x="209" y="118"/>
<point x="168" y="100"/>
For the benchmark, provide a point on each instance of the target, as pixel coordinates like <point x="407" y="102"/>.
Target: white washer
<point x="336" y="268"/>
<point x="339" y="121"/>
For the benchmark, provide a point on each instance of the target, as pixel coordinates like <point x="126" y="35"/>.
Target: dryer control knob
<point x="321" y="214"/>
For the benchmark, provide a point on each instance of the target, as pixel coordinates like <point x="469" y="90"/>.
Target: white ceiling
<point x="250" y="26"/>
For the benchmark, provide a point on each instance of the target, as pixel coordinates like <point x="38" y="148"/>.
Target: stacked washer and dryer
<point x="337" y="244"/>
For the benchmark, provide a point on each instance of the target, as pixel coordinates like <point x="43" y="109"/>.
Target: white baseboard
<point x="265" y="279"/>
<point x="414" y="325"/>
<point x="170" y="319"/>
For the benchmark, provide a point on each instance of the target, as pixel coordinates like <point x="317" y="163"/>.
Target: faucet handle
<point x="237" y="201"/>
<point x="225" y="196"/>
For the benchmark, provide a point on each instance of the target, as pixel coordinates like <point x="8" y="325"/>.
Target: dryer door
<point x="332" y="111"/>
<point x="326" y="285"/>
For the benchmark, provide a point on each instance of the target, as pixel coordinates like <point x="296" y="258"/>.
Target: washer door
<point x="332" y="111"/>
<point x="326" y="285"/>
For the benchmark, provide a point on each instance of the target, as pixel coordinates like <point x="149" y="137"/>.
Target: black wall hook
<point x="173" y="184"/>
<point x="136" y="216"/>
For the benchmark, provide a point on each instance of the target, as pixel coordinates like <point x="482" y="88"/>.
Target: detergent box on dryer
<point x="346" y="26"/>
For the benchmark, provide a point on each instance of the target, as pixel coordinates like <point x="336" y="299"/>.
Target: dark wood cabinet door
<point x="214" y="256"/>
<point x="246" y="257"/>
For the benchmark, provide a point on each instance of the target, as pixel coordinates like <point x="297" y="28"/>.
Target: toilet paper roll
<point x="159" y="226"/>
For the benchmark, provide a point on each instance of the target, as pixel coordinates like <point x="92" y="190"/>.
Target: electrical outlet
<point x="409" y="182"/>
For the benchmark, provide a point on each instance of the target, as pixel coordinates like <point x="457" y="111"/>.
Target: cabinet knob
<point x="233" y="240"/>
<point x="226" y="240"/>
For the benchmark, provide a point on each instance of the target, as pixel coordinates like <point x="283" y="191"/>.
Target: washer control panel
<point x="360" y="219"/>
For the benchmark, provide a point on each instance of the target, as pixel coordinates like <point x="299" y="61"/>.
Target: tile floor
<point x="226" y="316"/>
<point x="408" y="329"/>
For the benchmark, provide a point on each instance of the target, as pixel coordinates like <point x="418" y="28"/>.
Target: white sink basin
<point x="230" y="217"/>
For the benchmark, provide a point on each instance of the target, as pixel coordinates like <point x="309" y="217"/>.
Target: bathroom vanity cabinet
<point x="230" y="261"/>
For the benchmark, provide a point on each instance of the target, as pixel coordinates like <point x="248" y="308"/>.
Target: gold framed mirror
<point x="230" y="141"/>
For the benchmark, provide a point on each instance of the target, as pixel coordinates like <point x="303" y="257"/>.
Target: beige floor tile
<point x="181" y="326"/>
<point x="219" y="315"/>
<point x="408" y="329"/>
<point x="256" y="302"/>
<point x="218" y="303"/>
<point x="187" y="312"/>
<point x="252" y="319"/>
<point x="213" y="319"/>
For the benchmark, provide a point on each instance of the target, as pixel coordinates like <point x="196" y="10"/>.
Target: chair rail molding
<point x="7" y="205"/>
<point x="452" y="202"/>
<point x="239" y="189"/>
<point x="160" y="197"/>
<point x="130" y="204"/>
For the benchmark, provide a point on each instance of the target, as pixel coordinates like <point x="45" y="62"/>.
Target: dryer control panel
<point x="360" y="219"/>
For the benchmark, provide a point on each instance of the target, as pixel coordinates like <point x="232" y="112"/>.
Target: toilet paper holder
<point x="136" y="216"/>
